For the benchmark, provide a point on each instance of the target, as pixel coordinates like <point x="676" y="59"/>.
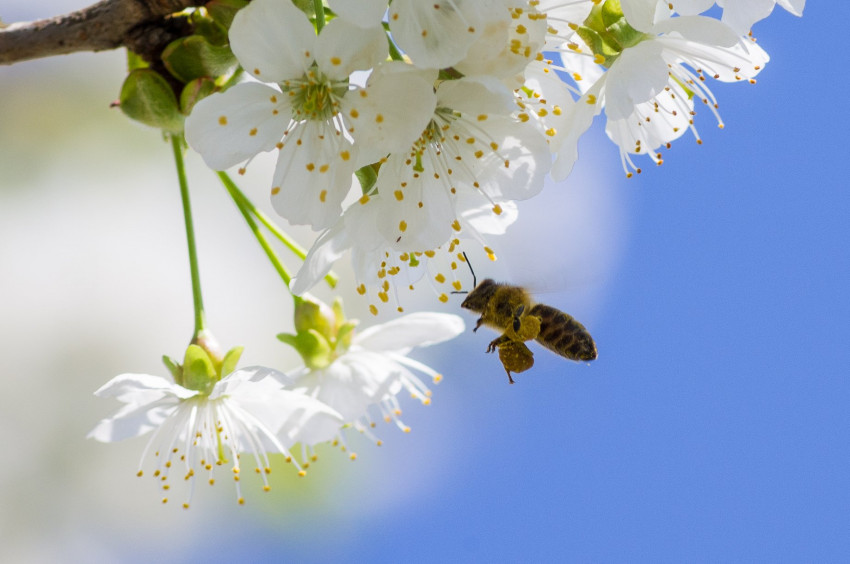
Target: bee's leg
<point x="498" y="342"/>
<point x="515" y="357"/>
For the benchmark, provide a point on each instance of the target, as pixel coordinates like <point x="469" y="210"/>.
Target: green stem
<point x="198" y="302"/>
<point x="238" y="199"/>
<point x="395" y="54"/>
<point x="243" y="203"/>
<point x="319" y="8"/>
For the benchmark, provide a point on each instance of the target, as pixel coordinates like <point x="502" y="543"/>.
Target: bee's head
<point x="480" y="295"/>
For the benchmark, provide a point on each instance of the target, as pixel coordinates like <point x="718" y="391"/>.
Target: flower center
<point x="315" y="97"/>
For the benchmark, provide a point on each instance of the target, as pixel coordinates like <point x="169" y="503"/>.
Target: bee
<point x="510" y="309"/>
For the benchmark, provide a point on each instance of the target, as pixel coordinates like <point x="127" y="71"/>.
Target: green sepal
<point x="309" y="316"/>
<point x="174" y="368"/>
<point x="147" y="98"/>
<point x="194" y="92"/>
<point x="610" y="12"/>
<point x="223" y="11"/>
<point x="367" y="176"/>
<point x="194" y="57"/>
<point x="607" y="33"/>
<point x="199" y="372"/>
<point x="314" y="348"/>
<point x="306" y="6"/>
<point x="231" y="359"/>
<point x="344" y="335"/>
<point x="339" y="314"/>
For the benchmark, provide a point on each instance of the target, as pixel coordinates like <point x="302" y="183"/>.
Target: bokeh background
<point x="713" y="427"/>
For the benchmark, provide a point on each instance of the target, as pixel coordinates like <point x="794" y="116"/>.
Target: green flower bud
<point x="231" y="359"/>
<point x="202" y="365"/>
<point x="194" y="57"/>
<point x="199" y="373"/>
<point x="148" y="98"/>
<point x="194" y="92"/>
<point x="314" y="348"/>
<point x="316" y="316"/>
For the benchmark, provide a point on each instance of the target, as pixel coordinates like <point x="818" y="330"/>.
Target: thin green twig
<point x="197" y="299"/>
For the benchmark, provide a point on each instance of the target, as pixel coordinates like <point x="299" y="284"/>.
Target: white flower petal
<point x="698" y="29"/>
<point x="326" y="250"/>
<point x="438" y="33"/>
<point x="580" y="118"/>
<point x="365" y="13"/>
<point x="479" y="218"/>
<point x="421" y="329"/>
<point x="513" y="162"/>
<point x="313" y="175"/>
<point x="476" y="96"/>
<point x="641" y="14"/>
<point x="273" y="40"/>
<point x="741" y="16"/>
<point x="635" y="77"/>
<point x="653" y="123"/>
<point x="304" y="420"/>
<point x="392" y="111"/>
<point x="416" y="211"/>
<point x="133" y="420"/>
<point x="506" y="45"/>
<point x="344" y="47"/>
<point x="229" y="128"/>
<point x="794" y="6"/>
<point x="141" y="389"/>
<point x="692" y="7"/>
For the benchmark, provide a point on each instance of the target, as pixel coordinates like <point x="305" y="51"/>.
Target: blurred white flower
<point x="309" y="110"/>
<point x="247" y="412"/>
<point x="353" y="371"/>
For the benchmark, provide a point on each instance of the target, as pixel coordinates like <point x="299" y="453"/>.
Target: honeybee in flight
<point x="510" y="309"/>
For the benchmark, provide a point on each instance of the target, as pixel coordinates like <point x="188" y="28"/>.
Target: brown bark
<point x="106" y="25"/>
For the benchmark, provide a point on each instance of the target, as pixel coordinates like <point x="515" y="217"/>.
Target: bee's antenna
<point x="474" y="283"/>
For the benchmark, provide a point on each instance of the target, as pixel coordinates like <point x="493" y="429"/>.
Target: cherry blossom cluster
<point x="468" y="105"/>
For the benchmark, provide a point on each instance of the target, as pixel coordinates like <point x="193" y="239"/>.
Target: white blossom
<point x="648" y="91"/>
<point x="372" y="369"/>
<point x="308" y="109"/>
<point x="246" y="412"/>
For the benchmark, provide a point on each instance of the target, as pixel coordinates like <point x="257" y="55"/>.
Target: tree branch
<point x="106" y="25"/>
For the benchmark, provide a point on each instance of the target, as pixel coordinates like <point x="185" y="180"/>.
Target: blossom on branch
<point x="307" y="109"/>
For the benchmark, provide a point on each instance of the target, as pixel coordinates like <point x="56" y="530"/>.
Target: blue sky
<point x="713" y="426"/>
